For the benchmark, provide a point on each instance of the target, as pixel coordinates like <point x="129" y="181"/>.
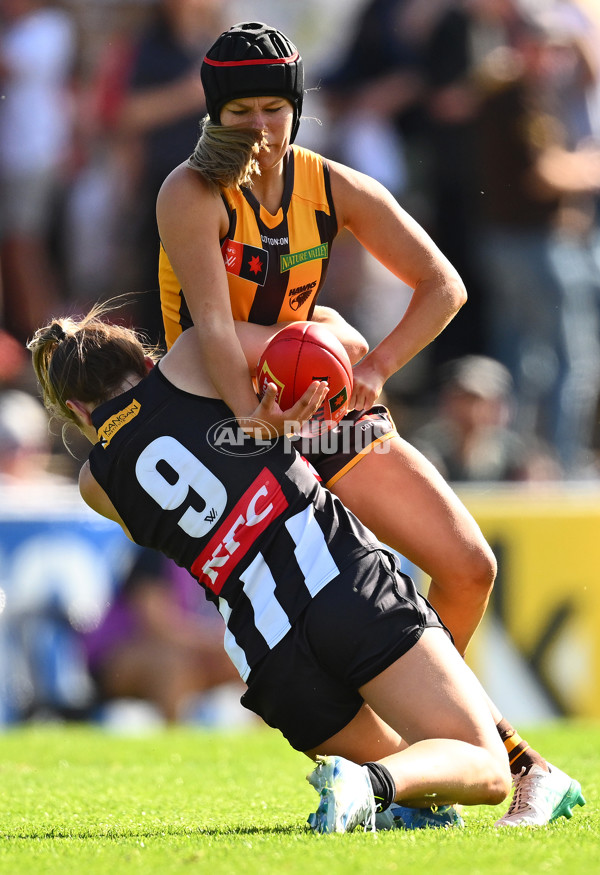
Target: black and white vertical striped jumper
<point x="247" y="518"/>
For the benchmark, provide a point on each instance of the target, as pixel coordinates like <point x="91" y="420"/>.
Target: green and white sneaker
<point x="346" y="796"/>
<point x="540" y="797"/>
<point x="403" y="817"/>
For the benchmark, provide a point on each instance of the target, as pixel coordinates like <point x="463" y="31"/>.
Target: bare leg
<point x="367" y="737"/>
<point x="420" y="516"/>
<point x="404" y="500"/>
<point x="430" y="698"/>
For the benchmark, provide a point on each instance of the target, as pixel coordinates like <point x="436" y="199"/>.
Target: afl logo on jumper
<point x="248" y="262"/>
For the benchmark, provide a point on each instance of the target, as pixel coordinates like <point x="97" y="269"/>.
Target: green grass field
<point x="80" y="799"/>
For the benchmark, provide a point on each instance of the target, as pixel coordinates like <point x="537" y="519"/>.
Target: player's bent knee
<point x="497" y="793"/>
<point x="498" y="784"/>
<point x="486" y="565"/>
<point x="479" y="572"/>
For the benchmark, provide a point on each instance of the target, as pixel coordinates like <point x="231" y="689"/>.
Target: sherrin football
<point x="297" y="355"/>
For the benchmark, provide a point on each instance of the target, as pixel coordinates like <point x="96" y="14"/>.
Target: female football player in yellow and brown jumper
<point x="247" y="226"/>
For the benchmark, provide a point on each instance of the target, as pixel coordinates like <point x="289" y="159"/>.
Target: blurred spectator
<point x="25" y="443"/>
<point x="372" y="92"/>
<point x="99" y="264"/>
<point x="470" y="436"/>
<point x="538" y="195"/>
<point x="575" y="38"/>
<point x="459" y="40"/>
<point x="13" y="360"/>
<point x="372" y="97"/>
<point x="156" y="644"/>
<point x="159" y="111"/>
<point x="38" y="46"/>
<point x="29" y="453"/>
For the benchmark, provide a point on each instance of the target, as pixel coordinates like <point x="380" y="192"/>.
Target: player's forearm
<point x="144" y="111"/>
<point x="352" y="340"/>
<point x="253" y="338"/>
<point x="227" y="369"/>
<point x="432" y="307"/>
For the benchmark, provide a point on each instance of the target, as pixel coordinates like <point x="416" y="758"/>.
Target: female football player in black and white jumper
<point x="337" y="648"/>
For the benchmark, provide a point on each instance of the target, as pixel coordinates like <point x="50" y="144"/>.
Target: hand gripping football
<point x="297" y="355"/>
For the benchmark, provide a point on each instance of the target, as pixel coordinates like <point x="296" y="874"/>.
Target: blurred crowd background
<point x="481" y="116"/>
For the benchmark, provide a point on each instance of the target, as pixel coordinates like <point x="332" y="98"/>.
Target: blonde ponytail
<point x="227" y="157"/>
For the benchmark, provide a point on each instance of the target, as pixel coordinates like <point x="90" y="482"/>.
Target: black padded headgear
<point x="252" y="59"/>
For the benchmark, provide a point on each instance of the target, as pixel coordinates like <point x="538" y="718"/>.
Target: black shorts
<point x="361" y="431"/>
<point x="354" y="629"/>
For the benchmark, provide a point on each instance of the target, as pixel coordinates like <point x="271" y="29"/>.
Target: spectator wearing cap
<point x="470" y="437"/>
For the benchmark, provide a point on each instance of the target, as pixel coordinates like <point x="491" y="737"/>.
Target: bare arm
<point x="561" y="172"/>
<point x="188" y="211"/>
<point x="253" y="338"/>
<point x="396" y="240"/>
<point x="351" y="339"/>
<point x="150" y="108"/>
<point x="94" y="496"/>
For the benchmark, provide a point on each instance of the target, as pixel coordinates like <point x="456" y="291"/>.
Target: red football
<point x="297" y="355"/>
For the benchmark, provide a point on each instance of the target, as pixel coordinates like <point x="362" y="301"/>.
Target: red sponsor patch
<point x="260" y="504"/>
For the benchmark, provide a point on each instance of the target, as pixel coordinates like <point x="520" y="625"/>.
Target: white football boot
<point x="540" y="797"/>
<point x="346" y="796"/>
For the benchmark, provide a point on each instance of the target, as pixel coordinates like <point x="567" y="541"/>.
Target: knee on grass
<point x="497" y="784"/>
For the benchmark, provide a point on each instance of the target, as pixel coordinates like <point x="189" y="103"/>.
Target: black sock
<point x="384" y="786"/>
